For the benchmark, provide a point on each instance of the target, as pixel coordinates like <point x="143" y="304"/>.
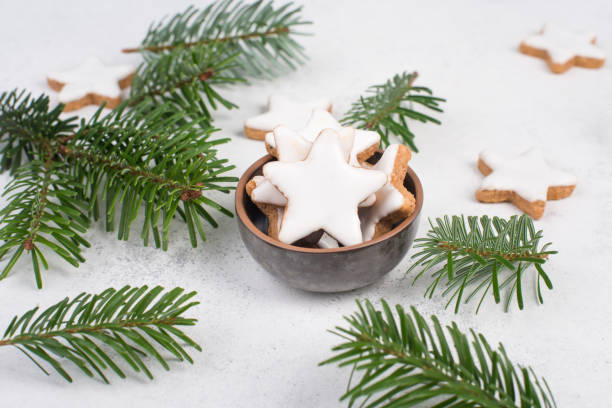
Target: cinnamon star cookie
<point x="323" y="192"/>
<point x="287" y="144"/>
<point x="91" y="83"/>
<point x="393" y="202"/>
<point x="525" y="180"/>
<point x="562" y="48"/>
<point x="283" y="111"/>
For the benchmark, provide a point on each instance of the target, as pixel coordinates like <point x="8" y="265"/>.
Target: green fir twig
<point x="128" y="162"/>
<point x="484" y="254"/>
<point x="100" y="332"/>
<point x="390" y="106"/>
<point x="260" y="35"/>
<point x="402" y="360"/>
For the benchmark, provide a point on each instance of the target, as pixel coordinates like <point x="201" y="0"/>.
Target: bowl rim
<point x="244" y="218"/>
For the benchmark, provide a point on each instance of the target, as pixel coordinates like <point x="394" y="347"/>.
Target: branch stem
<point x="121" y="324"/>
<point x="395" y="102"/>
<point x="486" y="254"/>
<point x="188" y="192"/>
<point x="159" y="48"/>
<point x="202" y="76"/>
<point x="42" y="200"/>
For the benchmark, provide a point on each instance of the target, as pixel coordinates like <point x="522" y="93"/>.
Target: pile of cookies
<point x="322" y="191"/>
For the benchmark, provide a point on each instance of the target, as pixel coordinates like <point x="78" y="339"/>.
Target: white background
<point x="262" y="340"/>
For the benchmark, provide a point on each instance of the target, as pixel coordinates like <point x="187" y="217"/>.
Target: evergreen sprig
<point x="402" y="360"/>
<point x="141" y="158"/>
<point x="486" y="254"/>
<point x="138" y="161"/>
<point x="259" y="35"/>
<point x="44" y="209"/>
<point x="390" y="106"/>
<point x="131" y="322"/>
<point x="23" y="121"/>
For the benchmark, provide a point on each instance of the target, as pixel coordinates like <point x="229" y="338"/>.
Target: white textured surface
<point x="262" y="340"/>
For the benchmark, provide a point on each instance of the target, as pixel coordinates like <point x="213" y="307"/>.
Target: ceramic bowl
<point x="324" y="270"/>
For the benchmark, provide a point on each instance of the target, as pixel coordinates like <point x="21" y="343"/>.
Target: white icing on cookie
<point x="318" y="120"/>
<point x="388" y="199"/>
<point x="562" y="44"/>
<point x="265" y="192"/>
<point x="527" y="174"/>
<point x="323" y="192"/>
<point x="368" y="202"/>
<point x="327" y="242"/>
<point x="91" y="77"/>
<point x="286" y="111"/>
<point x="291" y="147"/>
<point x="279" y="219"/>
<point x="294" y="145"/>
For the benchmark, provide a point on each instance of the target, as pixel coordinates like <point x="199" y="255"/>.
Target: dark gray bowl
<point x="324" y="270"/>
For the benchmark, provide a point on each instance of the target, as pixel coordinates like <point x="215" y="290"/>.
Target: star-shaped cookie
<point x="287" y="144"/>
<point x="323" y="192"/>
<point x="393" y="202"/>
<point x="91" y="83"/>
<point x="283" y="111"/>
<point x="562" y="48"/>
<point x="525" y="180"/>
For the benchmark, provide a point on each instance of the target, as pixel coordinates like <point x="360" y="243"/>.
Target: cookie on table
<point x="327" y="195"/>
<point x="563" y="48"/>
<point x="288" y="144"/>
<point x="394" y="203"/>
<point x="526" y="180"/>
<point x="269" y="201"/>
<point x="283" y="111"/>
<point x="91" y="83"/>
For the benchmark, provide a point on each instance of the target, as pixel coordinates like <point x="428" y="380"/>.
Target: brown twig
<point x="393" y="105"/>
<point x="203" y="76"/>
<point x="28" y="243"/>
<point x="160" y="48"/>
<point x="87" y="329"/>
<point x="485" y="254"/>
<point x="187" y="192"/>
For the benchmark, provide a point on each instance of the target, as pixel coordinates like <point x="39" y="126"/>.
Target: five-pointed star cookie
<point x="91" y="83"/>
<point x="393" y="202"/>
<point x="287" y="144"/>
<point x="323" y="192"/>
<point x="283" y="111"/>
<point x="525" y="180"/>
<point x="562" y="48"/>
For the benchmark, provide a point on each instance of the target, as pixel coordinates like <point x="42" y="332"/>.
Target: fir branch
<point x="142" y="159"/>
<point x="31" y="220"/>
<point x="259" y="34"/>
<point x="391" y="105"/>
<point x="134" y="323"/>
<point x="24" y="122"/>
<point x="148" y="159"/>
<point x="403" y="360"/>
<point x="486" y="254"/>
